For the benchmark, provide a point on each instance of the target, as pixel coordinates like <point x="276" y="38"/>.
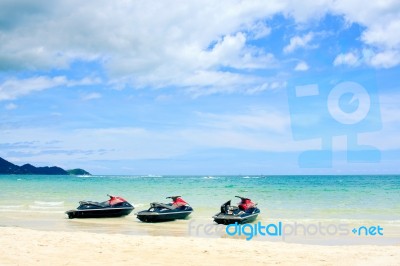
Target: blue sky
<point x="201" y="87"/>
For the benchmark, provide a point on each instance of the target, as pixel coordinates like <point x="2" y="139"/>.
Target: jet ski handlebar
<point x="173" y="197"/>
<point x="242" y="198"/>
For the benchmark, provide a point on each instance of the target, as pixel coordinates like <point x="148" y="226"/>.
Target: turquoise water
<point x="31" y="201"/>
<point x="341" y="197"/>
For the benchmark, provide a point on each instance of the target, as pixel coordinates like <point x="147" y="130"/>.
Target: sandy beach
<point x="32" y="247"/>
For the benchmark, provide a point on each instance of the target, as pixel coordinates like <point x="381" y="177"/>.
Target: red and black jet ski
<point x="114" y="207"/>
<point x="245" y="212"/>
<point x="160" y="212"/>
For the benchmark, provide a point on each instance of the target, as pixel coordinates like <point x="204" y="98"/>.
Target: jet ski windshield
<point x="225" y="206"/>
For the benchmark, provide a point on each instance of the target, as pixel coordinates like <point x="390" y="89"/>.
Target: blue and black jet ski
<point x="160" y="212"/>
<point x="114" y="207"/>
<point x="245" y="212"/>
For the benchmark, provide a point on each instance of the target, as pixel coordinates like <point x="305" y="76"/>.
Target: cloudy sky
<point x="201" y="87"/>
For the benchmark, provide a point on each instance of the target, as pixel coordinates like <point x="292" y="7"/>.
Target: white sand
<point x="30" y="247"/>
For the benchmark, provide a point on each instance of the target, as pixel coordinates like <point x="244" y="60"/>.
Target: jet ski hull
<point x="99" y="213"/>
<point x="154" y="215"/>
<point x="114" y="207"/>
<point x="247" y="217"/>
<point x="231" y="219"/>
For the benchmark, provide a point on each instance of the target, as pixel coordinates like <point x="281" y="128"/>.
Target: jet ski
<point x="245" y="212"/>
<point x="160" y="212"/>
<point x="114" y="207"/>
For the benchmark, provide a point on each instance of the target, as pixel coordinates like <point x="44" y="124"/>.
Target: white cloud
<point x="298" y="42"/>
<point x="13" y="88"/>
<point x="135" y="47"/>
<point x="301" y="66"/>
<point x="259" y="30"/>
<point x="231" y="51"/>
<point x="262" y="132"/>
<point x="257" y="120"/>
<point x="385" y="59"/>
<point x="11" y="106"/>
<point x="347" y="59"/>
<point x="250" y="141"/>
<point x="91" y="96"/>
<point x="116" y="143"/>
<point x="381" y="20"/>
<point x="306" y="10"/>
<point x="141" y="45"/>
<point x="204" y="83"/>
<point x="383" y="35"/>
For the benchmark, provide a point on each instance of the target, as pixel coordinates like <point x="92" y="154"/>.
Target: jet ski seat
<point x="157" y="204"/>
<point x="95" y="203"/>
<point x="246" y="204"/>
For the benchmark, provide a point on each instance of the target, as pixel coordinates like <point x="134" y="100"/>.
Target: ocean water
<point x="39" y="202"/>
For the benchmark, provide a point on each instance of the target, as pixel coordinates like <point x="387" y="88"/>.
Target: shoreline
<point x="33" y="247"/>
<point x="205" y="228"/>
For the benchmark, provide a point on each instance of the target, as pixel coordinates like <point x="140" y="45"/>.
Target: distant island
<point x="78" y="171"/>
<point x="7" y="168"/>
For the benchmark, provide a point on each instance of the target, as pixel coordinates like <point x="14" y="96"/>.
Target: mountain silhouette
<point x="8" y="168"/>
